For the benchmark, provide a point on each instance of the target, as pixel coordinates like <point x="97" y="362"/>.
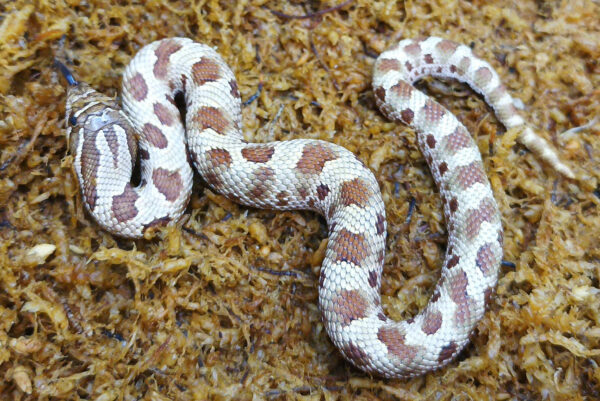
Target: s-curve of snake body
<point x="307" y="174"/>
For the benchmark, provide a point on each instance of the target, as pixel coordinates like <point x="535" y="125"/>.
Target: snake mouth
<point x="66" y="73"/>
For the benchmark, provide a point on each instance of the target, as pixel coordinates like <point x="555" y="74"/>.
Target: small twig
<point x="560" y="198"/>
<point x="411" y="209"/>
<point x="255" y="96"/>
<point x="588" y="150"/>
<point x="273" y="393"/>
<point x="304" y="390"/>
<point x="272" y="124"/>
<point x="195" y="233"/>
<point x="368" y="52"/>
<point x="114" y="336"/>
<point x="311" y="15"/>
<point x="161" y="348"/>
<point x="158" y="371"/>
<point x="7" y="163"/>
<point x="325" y="67"/>
<point x="245" y="376"/>
<point x="277" y="272"/>
<point x="554" y="196"/>
<point x="233" y="314"/>
<point x="583" y="127"/>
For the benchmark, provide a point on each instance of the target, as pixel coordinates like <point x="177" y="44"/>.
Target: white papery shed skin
<point x="315" y="175"/>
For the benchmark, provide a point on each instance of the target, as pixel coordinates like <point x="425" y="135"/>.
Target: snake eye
<point x="72" y="120"/>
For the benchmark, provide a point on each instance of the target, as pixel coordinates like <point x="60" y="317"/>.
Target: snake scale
<point x="307" y="174"/>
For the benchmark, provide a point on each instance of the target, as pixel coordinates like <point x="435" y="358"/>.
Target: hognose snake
<point x="307" y="174"/>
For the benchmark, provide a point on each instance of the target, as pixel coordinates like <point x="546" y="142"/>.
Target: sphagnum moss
<point x="225" y="307"/>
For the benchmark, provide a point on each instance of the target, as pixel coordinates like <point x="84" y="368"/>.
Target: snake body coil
<point x="308" y="174"/>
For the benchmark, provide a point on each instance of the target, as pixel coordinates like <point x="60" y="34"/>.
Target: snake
<point x="309" y="174"/>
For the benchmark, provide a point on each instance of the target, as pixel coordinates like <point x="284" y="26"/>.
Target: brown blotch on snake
<point x="483" y="75"/>
<point x="447" y="47"/>
<point x="205" y="70"/>
<point x="447" y="352"/>
<point x="168" y="183"/>
<point x="486" y="258"/>
<point x="433" y="111"/>
<point x="163" y="54"/>
<point x="407" y="116"/>
<point x="350" y="305"/>
<point x="432" y="322"/>
<point x="453" y="261"/>
<point x="219" y="158"/>
<point x="380" y="224"/>
<point x="258" y="154"/>
<point x="282" y="198"/>
<point x="394" y="340"/>
<point x="403" y="90"/>
<point x="458" y="139"/>
<point x="373" y="278"/>
<point x="138" y="87"/>
<point x="90" y="162"/>
<point x="388" y="65"/>
<point x="355" y="192"/>
<point x="414" y="49"/>
<point x="164" y="115"/>
<point x="262" y="182"/>
<point x="123" y="206"/>
<point x="484" y="213"/>
<point x="350" y="247"/>
<point x="314" y="157"/>
<point x="154" y="136"/>
<point x="211" y="117"/>
<point x="322" y="191"/>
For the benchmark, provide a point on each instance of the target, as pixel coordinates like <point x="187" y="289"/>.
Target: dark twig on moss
<point x="255" y="96"/>
<point x="311" y="15"/>
<point x="277" y="272"/>
<point x="411" y="209"/>
<point x="114" y="336"/>
<point x="368" y="52"/>
<point x="195" y="233"/>
<point x="7" y="163"/>
<point x="325" y="67"/>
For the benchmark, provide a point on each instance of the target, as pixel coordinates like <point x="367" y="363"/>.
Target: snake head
<point x="89" y="113"/>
